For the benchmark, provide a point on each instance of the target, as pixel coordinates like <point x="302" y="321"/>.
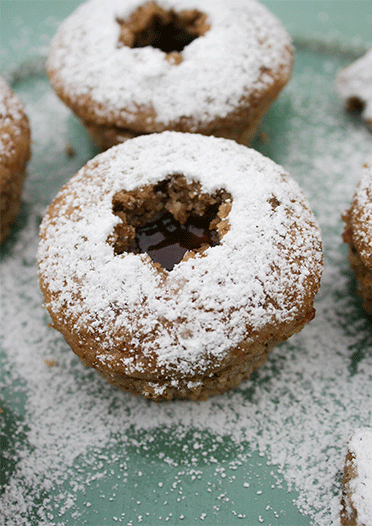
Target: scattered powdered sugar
<point x="217" y="69"/>
<point x="79" y="452"/>
<point x="355" y="82"/>
<point x="269" y="256"/>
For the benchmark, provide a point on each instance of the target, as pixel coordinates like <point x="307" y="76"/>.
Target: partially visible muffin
<point x="14" y="154"/>
<point x="357" y="480"/>
<point x="358" y="235"/>
<point x="354" y="85"/>
<point x="138" y="67"/>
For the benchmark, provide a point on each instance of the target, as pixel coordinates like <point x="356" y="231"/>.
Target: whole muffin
<point x="136" y="67"/>
<point x="14" y="154"/>
<point x="200" y="325"/>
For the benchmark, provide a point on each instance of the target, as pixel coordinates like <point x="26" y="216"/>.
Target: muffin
<point x="245" y="264"/>
<point x="135" y="67"/>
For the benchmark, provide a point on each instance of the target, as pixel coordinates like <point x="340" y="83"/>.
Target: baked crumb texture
<point x="357" y="480"/>
<point x="358" y="235"/>
<point x="14" y="154"/>
<point x="207" y="324"/>
<point x="354" y="85"/>
<point x="138" y="67"/>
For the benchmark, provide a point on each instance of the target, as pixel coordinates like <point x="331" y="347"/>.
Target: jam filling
<point x="169" y="219"/>
<point x="166" y="240"/>
<point x="168" y="30"/>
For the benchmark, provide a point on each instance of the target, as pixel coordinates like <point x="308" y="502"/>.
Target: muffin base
<point x="241" y="128"/>
<point x="243" y="360"/>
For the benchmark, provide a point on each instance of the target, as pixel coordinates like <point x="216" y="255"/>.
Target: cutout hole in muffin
<point x="355" y="105"/>
<point x="168" y="30"/>
<point x="169" y="221"/>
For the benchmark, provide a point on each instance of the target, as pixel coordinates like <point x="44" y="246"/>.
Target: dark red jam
<point x="166" y="240"/>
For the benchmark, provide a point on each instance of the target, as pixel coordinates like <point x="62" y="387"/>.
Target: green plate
<point x="75" y="451"/>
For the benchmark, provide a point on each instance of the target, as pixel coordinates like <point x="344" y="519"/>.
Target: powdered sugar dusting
<point x="79" y="452"/>
<point x="268" y="257"/>
<point x="217" y="69"/>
